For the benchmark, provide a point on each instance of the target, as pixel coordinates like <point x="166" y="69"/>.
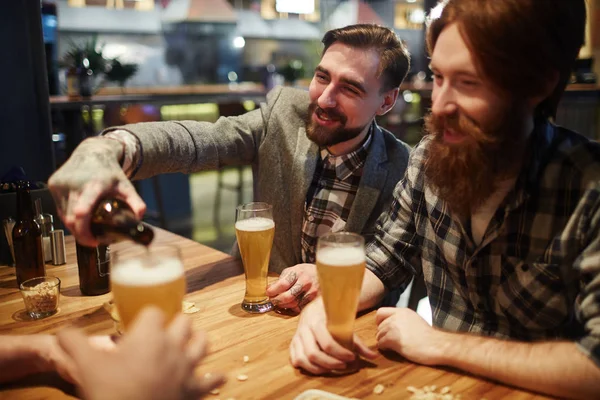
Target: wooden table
<point x="216" y="285"/>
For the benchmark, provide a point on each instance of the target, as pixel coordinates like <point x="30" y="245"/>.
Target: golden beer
<point x="135" y="286"/>
<point x="341" y="271"/>
<point x="255" y="239"/>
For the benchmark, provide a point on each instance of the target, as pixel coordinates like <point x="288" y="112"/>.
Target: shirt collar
<point x="541" y="142"/>
<point x="348" y="164"/>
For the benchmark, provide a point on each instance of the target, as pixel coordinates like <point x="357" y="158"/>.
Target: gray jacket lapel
<point x="373" y="179"/>
<point x="305" y="162"/>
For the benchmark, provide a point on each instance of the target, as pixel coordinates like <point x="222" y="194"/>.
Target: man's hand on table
<point x="405" y="332"/>
<point x="314" y="350"/>
<point x="91" y="173"/>
<point x="296" y="287"/>
<point x="150" y="362"/>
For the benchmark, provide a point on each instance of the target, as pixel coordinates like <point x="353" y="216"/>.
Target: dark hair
<point x="518" y="44"/>
<point x="394" y="59"/>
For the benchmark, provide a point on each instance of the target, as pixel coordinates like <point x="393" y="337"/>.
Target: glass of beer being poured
<point x="254" y="230"/>
<point x="341" y="267"/>
<point x="141" y="276"/>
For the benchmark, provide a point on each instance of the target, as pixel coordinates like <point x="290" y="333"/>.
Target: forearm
<point x="372" y="291"/>
<point x="105" y="147"/>
<point x="555" y="368"/>
<point x="24" y="355"/>
<point x="191" y="146"/>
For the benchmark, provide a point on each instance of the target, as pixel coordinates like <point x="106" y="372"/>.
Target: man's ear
<point x="389" y="99"/>
<point x="535" y="100"/>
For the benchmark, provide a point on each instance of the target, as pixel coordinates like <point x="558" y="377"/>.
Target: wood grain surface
<point x="215" y="284"/>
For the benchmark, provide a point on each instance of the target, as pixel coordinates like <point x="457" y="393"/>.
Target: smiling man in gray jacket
<point x="318" y="157"/>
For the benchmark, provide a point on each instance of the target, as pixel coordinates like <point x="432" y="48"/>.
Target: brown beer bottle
<point x="93" y="263"/>
<point x="113" y="220"/>
<point x="27" y="238"/>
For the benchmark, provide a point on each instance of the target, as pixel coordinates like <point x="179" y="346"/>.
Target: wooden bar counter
<point x="215" y="283"/>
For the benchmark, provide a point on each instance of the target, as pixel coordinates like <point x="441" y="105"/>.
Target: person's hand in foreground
<point x="150" y="361"/>
<point x="92" y="172"/>
<point x="296" y="287"/>
<point x="24" y="355"/>
<point x="314" y="350"/>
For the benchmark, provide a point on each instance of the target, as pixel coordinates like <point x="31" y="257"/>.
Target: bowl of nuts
<point x="41" y="296"/>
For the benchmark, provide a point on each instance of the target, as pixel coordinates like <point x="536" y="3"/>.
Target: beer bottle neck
<point x="24" y="203"/>
<point x="113" y="220"/>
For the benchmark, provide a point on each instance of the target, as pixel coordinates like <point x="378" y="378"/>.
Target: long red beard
<point x="467" y="173"/>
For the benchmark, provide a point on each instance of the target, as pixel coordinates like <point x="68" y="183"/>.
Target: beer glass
<point x="341" y="267"/>
<point x="141" y="276"/>
<point x="254" y="230"/>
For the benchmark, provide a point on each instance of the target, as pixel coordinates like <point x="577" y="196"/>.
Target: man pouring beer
<point x="318" y="157"/>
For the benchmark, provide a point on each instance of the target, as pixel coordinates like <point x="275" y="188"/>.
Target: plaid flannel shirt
<point x="331" y="194"/>
<point x="536" y="273"/>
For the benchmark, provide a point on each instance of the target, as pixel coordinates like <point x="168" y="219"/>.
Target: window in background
<point x="307" y="10"/>
<point x="409" y="16"/>
<point x="141" y="5"/>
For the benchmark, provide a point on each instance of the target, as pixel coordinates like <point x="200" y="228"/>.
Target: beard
<point x="466" y="174"/>
<point x="325" y="137"/>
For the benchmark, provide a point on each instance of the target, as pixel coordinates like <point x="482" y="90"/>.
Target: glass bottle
<point x="93" y="264"/>
<point x="113" y="220"/>
<point x="27" y="237"/>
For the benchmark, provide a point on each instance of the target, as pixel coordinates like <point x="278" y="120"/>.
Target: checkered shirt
<point x="331" y="194"/>
<point x="536" y="273"/>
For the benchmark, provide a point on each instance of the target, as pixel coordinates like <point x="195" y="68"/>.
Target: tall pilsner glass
<point x="254" y="230"/>
<point x="141" y="276"/>
<point x="341" y="267"/>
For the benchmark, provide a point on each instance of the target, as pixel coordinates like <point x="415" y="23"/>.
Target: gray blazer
<point x="272" y="139"/>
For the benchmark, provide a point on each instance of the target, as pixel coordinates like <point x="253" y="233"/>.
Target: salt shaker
<point x="57" y="244"/>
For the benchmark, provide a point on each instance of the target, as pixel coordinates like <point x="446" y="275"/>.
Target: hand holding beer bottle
<point x="91" y="173"/>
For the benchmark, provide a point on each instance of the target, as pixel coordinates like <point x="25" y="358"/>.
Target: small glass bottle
<point x="27" y="238"/>
<point x="93" y="264"/>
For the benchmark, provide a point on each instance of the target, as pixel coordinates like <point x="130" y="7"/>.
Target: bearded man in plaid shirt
<point x="499" y="211"/>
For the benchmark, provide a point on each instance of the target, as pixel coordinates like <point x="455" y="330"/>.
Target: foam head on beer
<point x="135" y="273"/>
<point x="341" y="256"/>
<point x="254" y="224"/>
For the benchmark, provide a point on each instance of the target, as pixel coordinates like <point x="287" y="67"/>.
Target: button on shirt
<point x="331" y="194"/>
<point x="536" y="273"/>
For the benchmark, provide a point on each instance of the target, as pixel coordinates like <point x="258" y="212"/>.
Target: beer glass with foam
<point x="254" y="230"/>
<point x="141" y="276"/>
<point x="341" y="267"/>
